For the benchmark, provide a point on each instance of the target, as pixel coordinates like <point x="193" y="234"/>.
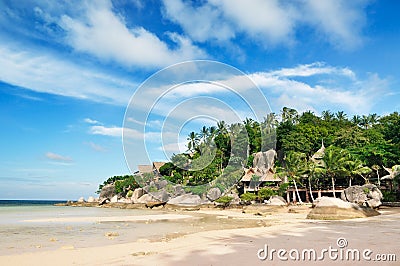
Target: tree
<point x="334" y="163"/>
<point x="294" y="168"/>
<point x="193" y="139"/>
<point x="355" y="167"/>
<point x="327" y="115"/>
<point x="204" y="133"/>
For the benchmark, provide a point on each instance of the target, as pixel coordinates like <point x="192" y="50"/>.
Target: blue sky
<point x="69" y="69"/>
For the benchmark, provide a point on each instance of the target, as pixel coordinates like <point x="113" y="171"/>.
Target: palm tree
<point x="373" y="119"/>
<point x="334" y="164"/>
<point x="204" y="133"/>
<point x="355" y="167"/>
<point x="356" y="120"/>
<point x="289" y="114"/>
<point x="313" y="170"/>
<point x="341" y="116"/>
<point x="222" y="127"/>
<point x="294" y="168"/>
<point x="193" y="139"/>
<point x="327" y="115"/>
<point x="365" y="121"/>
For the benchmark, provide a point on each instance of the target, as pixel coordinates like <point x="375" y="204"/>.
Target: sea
<point x="38" y="225"/>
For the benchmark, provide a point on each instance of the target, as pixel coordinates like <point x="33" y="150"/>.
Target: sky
<point x="73" y="73"/>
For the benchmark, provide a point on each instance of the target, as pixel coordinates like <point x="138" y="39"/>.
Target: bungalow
<point x="254" y="179"/>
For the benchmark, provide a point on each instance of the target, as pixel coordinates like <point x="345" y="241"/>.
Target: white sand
<point x="235" y="246"/>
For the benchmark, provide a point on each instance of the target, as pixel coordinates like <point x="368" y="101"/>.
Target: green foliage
<point x="197" y="190"/>
<point x="152" y="189"/>
<point x="389" y="196"/>
<point x="282" y="189"/>
<point x="129" y="194"/>
<point x="224" y="200"/>
<point x="366" y="190"/>
<point x="166" y="169"/>
<point x="266" y="193"/>
<point x="121" y="183"/>
<point x="247" y="197"/>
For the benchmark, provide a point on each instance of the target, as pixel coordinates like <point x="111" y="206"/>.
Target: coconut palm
<point x="334" y="163"/>
<point x="193" y="139"/>
<point x="204" y="133"/>
<point x="327" y="115"/>
<point x="222" y="127"/>
<point x="355" y="167"/>
<point x="341" y="116"/>
<point x="294" y="168"/>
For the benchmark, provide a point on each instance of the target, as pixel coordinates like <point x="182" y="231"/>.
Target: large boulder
<point x="186" y="200"/>
<point x="264" y="160"/>
<point x="114" y="199"/>
<point x="81" y="200"/>
<point x="161" y="184"/>
<point x="137" y="193"/>
<point x="161" y="196"/>
<point x="367" y="195"/>
<point x="146" y="198"/>
<point x="91" y="199"/>
<point x="326" y="208"/>
<point x="107" y="192"/>
<point x="277" y="201"/>
<point x="214" y="193"/>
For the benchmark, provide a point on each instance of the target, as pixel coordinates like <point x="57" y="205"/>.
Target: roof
<point x="267" y="177"/>
<point x="319" y="154"/>
<point x="157" y="165"/>
<point x="145" y="168"/>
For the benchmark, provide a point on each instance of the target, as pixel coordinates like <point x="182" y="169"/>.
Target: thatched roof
<point x="157" y="165"/>
<point x="319" y="154"/>
<point x="267" y="177"/>
<point x="270" y="177"/>
<point x="145" y="168"/>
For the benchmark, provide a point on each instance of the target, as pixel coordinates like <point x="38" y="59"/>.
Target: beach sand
<point x="223" y="244"/>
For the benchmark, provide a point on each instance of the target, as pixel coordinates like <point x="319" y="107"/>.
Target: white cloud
<point x="91" y="121"/>
<point x="96" y="147"/>
<point x="341" y="21"/>
<point x="43" y="72"/>
<point x="105" y="35"/>
<point x="270" y="22"/>
<point x="57" y="157"/>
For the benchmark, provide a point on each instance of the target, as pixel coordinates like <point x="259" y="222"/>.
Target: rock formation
<point x="186" y="200"/>
<point x="367" y="195"/>
<point x="214" y="193"/>
<point x="326" y="208"/>
<point x="264" y="161"/>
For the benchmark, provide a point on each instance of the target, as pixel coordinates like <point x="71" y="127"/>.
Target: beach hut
<point x="254" y="179"/>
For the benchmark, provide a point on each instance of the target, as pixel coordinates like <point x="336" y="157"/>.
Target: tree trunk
<point x="379" y="179"/>
<point x="333" y="187"/>
<point x="309" y="185"/>
<point x="350" y="182"/>
<point x="297" y="191"/>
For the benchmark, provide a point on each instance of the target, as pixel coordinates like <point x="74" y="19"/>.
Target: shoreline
<point x="281" y="227"/>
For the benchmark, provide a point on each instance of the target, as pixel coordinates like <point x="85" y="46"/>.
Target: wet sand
<point x="214" y="240"/>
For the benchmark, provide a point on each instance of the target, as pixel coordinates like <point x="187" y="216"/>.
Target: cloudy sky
<point x="69" y="70"/>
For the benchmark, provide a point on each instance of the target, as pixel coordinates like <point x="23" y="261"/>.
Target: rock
<point x="114" y="199"/>
<point x="137" y="193"/>
<point x="81" y="199"/>
<point x="187" y="200"/>
<point x="108" y="191"/>
<point x="214" y="193"/>
<point x="235" y="198"/>
<point x="103" y="201"/>
<point x="150" y="201"/>
<point x="264" y="160"/>
<point x="367" y="195"/>
<point x="91" y="199"/>
<point x="161" y="184"/>
<point x="326" y="208"/>
<point x="277" y="201"/>
<point x="161" y="196"/>
<point x="178" y="190"/>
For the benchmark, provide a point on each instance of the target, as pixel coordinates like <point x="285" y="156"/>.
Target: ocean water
<point x="34" y="226"/>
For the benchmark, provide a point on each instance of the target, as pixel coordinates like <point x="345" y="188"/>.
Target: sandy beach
<point x="208" y="237"/>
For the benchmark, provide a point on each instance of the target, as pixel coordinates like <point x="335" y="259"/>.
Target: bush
<point x="224" y="200"/>
<point x="247" y="197"/>
<point x="266" y="193"/>
<point x="129" y="194"/>
<point x="152" y="189"/>
<point x="389" y="196"/>
<point x="282" y="189"/>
